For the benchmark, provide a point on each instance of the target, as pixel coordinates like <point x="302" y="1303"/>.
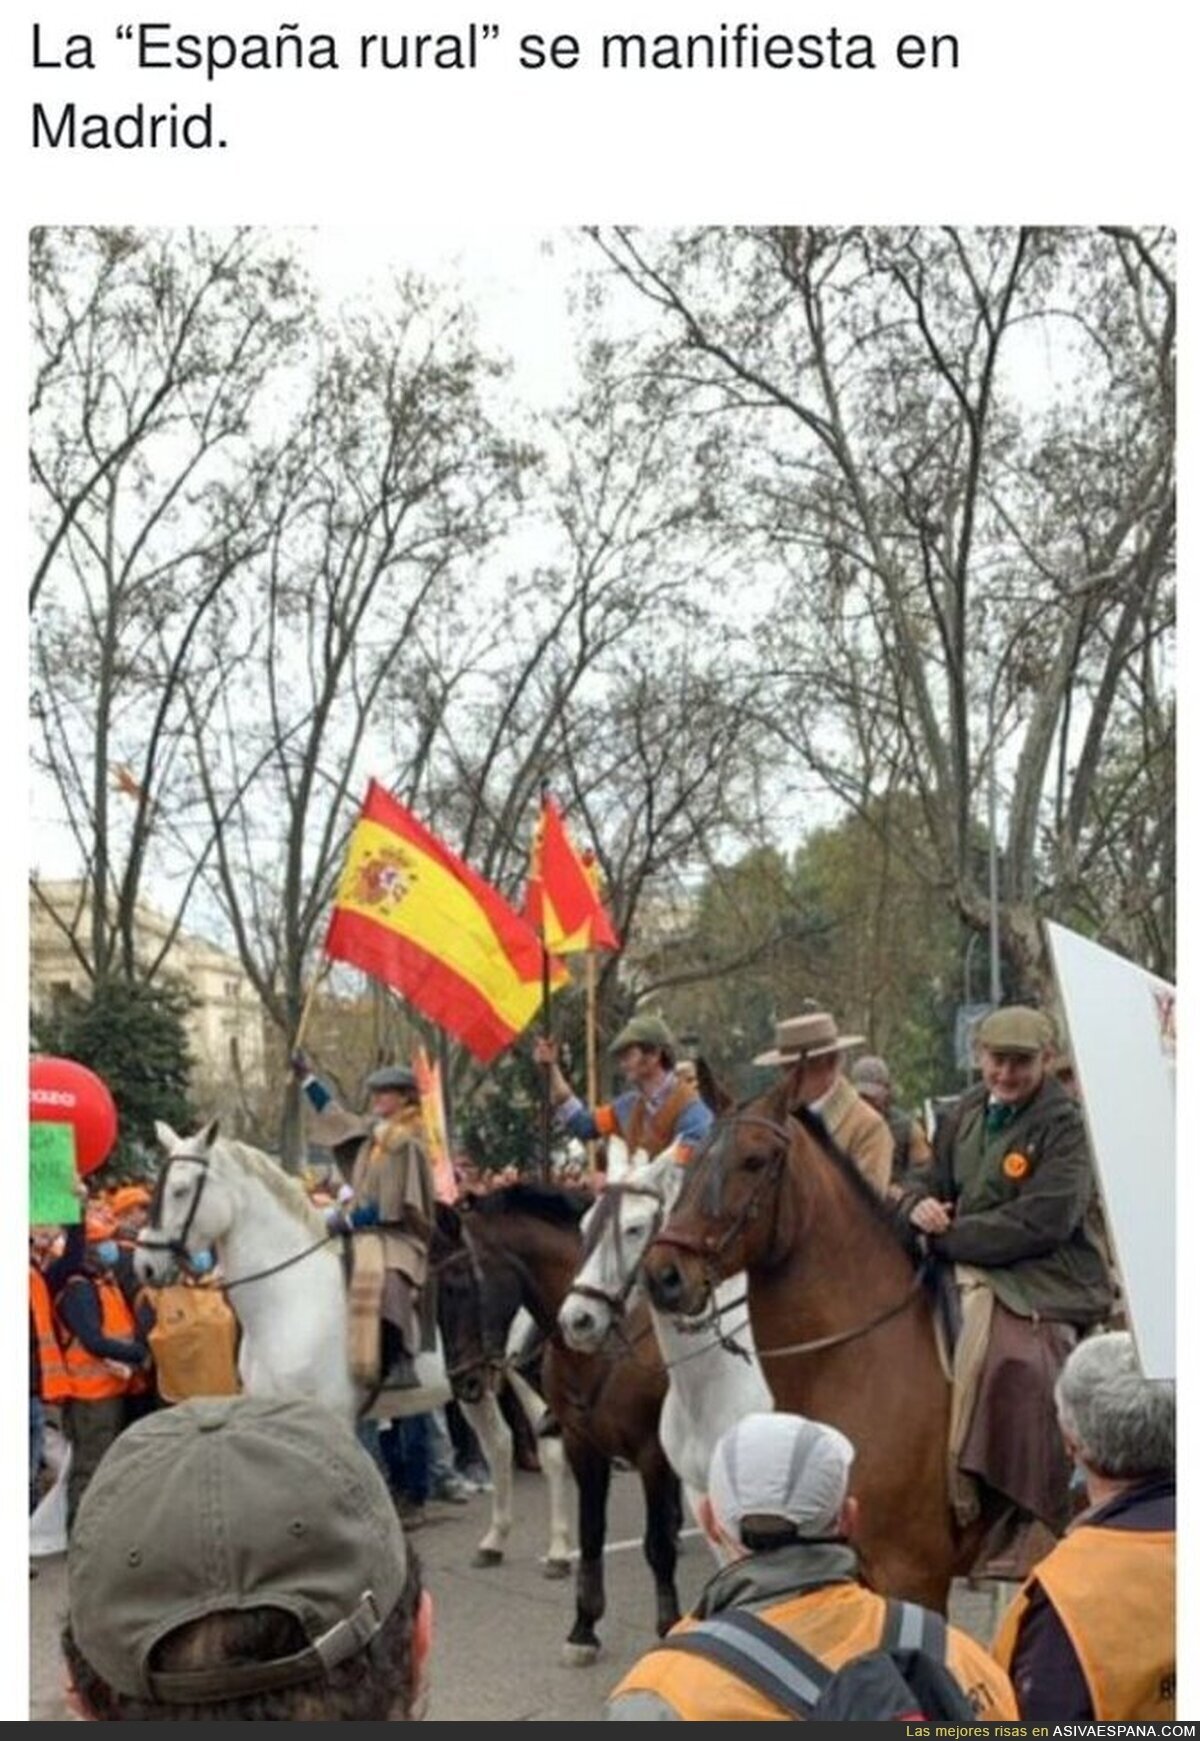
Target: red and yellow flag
<point x="564" y="894"/>
<point x="408" y="911"/>
<point x="433" y="1112"/>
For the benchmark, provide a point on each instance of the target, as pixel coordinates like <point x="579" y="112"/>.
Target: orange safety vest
<point x="54" y="1384"/>
<point x="88" y="1377"/>
<point x="1114" y="1591"/>
<point x="834" y="1623"/>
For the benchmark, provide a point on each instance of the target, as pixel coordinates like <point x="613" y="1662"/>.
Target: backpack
<point x="905" y="1679"/>
<point x="194" y="1343"/>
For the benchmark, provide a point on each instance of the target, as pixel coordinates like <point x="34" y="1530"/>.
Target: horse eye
<point x="180" y="1191"/>
<point x="754" y="1163"/>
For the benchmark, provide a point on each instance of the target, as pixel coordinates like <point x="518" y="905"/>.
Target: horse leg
<point x="491" y="1429"/>
<point x="660" y="1486"/>
<point x="557" y="1563"/>
<point x="592" y="1475"/>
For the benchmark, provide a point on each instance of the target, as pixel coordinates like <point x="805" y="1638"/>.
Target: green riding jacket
<point x="1025" y="1205"/>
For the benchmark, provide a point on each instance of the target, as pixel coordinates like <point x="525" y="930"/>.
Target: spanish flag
<point x="563" y="898"/>
<point x="409" y="912"/>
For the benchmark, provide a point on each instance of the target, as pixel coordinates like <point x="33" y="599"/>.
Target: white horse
<point x="282" y="1272"/>
<point x="713" y="1370"/>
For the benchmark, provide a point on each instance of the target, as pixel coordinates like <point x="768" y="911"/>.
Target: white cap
<point x="780" y="1466"/>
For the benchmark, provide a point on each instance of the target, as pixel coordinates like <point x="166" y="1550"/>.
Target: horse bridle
<point x="710" y="1249"/>
<point x="492" y="1357"/>
<point x="177" y="1246"/>
<point x="617" y="1302"/>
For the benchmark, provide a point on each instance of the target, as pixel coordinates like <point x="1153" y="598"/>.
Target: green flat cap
<point x="223" y="1503"/>
<point x="644" y="1031"/>
<point x="1016" y="1028"/>
<point x="391" y="1078"/>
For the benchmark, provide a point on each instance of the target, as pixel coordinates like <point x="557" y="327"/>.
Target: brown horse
<point x="527" y="1248"/>
<point x="842" y="1324"/>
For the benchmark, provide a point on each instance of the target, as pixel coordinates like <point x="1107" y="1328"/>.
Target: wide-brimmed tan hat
<point x="812" y="1035"/>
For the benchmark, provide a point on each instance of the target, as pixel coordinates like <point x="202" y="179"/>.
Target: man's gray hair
<point x="1123" y="1424"/>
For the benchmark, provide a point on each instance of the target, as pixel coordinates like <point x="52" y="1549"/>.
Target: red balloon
<point x="64" y="1092"/>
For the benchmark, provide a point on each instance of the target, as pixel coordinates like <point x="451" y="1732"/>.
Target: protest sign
<point x="52" y="1175"/>
<point x="1122" y="1028"/>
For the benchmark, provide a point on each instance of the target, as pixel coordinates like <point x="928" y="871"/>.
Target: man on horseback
<point x="391" y="1217"/>
<point x="811" y="1049"/>
<point x="656" y="1109"/>
<point x="1010" y="1203"/>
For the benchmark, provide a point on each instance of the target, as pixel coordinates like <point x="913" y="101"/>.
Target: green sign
<point x="52" y="1176"/>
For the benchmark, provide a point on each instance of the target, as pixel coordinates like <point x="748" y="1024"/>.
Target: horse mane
<point x="553" y="1203"/>
<point x="882" y="1210"/>
<point x="714" y="1094"/>
<point x="286" y="1190"/>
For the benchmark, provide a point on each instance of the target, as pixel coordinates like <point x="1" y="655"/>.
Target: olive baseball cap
<point x="229" y="1503"/>
<point x="644" y="1031"/>
<point x="1016" y="1028"/>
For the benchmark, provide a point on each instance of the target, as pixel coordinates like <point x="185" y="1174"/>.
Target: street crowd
<point x="310" y="1605"/>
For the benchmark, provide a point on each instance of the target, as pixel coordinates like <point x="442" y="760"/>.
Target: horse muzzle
<point x="675" y="1280"/>
<point x="585" y="1324"/>
<point x="154" y="1264"/>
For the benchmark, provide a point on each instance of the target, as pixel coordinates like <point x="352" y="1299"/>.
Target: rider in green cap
<point x="656" y="1109"/>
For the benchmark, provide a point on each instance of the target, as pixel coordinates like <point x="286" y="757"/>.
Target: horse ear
<point x="788" y="1092"/>
<point x="208" y="1135"/>
<point x="714" y="1096"/>
<point x="168" y="1140"/>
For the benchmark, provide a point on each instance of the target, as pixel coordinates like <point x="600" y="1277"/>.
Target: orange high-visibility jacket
<point x="1114" y="1591"/>
<point x="54" y="1384"/>
<point x="835" y="1623"/>
<point x="89" y="1378"/>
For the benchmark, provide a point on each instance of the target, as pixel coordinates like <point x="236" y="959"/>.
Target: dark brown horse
<point x="842" y="1324"/>
<point x="527" y="1247"/>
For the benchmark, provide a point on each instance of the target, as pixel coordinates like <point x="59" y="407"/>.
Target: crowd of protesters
<point x="1089" y="1636"/>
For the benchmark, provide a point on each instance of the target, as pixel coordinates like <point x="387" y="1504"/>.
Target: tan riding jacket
<point x="859" y="1130"/>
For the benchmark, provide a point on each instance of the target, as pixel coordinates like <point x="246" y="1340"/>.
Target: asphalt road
<point x="498" y="1632"/>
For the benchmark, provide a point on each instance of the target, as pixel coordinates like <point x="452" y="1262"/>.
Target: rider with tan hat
<point x="810" y="1048"/>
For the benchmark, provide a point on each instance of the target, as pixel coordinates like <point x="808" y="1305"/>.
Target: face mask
<point x="201" y="1262"/>
<point x="106" y="1252"/>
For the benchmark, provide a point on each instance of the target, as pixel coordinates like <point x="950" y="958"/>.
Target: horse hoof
<point x="487" y="1557"/>
<point x="580" y="1655"/>
<point x="556" y="1568"/>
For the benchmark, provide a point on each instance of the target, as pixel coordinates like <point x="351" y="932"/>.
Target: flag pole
<point x="546" y="1068"/>
<point x="592" y="1073"/>
<point x="309" y="1002"/>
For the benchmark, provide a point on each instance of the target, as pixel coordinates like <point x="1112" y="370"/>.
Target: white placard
<point x="1122" y="1029"/>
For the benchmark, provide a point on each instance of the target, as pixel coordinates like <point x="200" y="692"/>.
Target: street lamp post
<point x="993" y="867"/>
